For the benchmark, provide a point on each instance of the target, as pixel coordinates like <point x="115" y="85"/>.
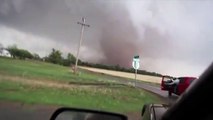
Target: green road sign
<point x="136" y="62"/>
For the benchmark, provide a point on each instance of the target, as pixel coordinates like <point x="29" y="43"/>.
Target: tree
<point x="117" y="67"/>
<point x="23" y="54"/>
<point x="1" y="48"/>
<point x="19" y="53"/>
<point x="13" y="50"/>
<point x="36" y="56"/>
<point x="69" y="60"/>
<point x="55" y="57"/>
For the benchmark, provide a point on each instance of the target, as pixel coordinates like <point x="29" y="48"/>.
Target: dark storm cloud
<point x="57" y="20"/>
<point x="49" y="18"/>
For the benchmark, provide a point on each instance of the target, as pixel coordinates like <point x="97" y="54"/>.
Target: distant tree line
<point x="56" y="57"/>
<point x="119" y="68"/>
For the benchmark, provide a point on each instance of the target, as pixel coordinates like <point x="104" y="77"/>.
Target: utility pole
<point x="83" y="24"/>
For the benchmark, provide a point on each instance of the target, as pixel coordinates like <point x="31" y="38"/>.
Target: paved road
<point x="158" y="91"/>
<point x="152" y="88"/>
<point x="19" y="111"/>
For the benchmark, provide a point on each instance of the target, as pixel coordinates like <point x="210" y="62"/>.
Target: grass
<point x="113" y="97"/>
<point x="42" y="70"/>
<point x="120" y="98"/>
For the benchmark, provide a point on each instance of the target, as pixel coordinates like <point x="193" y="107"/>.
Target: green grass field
<point x="37" y="82"/>
<point x="42" y="70"/>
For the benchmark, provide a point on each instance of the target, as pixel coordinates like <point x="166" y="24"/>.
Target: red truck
<point x="180" y="88"/>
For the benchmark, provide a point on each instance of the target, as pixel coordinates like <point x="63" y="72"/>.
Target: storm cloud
<point x="171" y="37"/>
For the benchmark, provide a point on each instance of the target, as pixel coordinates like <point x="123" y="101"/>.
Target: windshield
<point x="98" y="54"/>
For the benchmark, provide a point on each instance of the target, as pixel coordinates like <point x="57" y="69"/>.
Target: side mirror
<point x="153" y="111"/>
<point x="85" y="114"/>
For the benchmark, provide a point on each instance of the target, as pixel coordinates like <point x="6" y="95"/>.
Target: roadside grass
<point x="46" y="71"/>
<point x="110" y="98"/>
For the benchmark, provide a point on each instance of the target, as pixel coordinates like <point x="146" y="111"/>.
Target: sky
<point x="171" y="37"/>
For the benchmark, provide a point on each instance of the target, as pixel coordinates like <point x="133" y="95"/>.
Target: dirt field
<point x="125" y="74"/>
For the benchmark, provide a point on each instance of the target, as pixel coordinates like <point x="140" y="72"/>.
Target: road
<point x="158" y="91"/>
<point x="19" y="111"/>
<point x="152" y="88"/>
